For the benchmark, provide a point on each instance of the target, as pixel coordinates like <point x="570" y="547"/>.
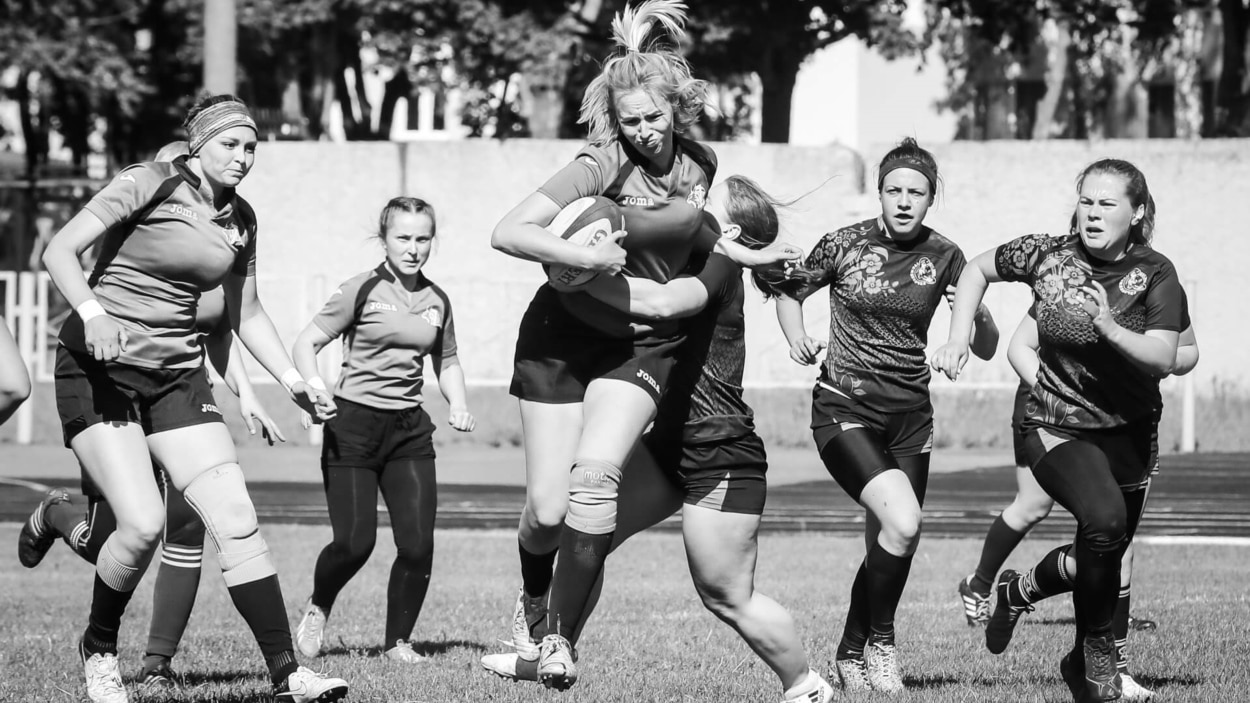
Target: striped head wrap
<point x="215" y="119"/>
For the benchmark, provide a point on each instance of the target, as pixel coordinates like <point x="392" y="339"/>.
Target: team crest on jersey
<point x="923" y="272"/>
<point x="1133" y="283"/>
<point x="232" y="236"/>
<point x="697" y="197"/>
<point x="433" y="316"/>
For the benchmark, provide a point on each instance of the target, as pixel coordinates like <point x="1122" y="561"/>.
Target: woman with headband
<point x="871" y="415"/>
<point x="131" y="386"/>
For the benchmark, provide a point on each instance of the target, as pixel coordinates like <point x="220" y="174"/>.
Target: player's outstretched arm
<point x="14" y="381"/>
<point x="976" y="278"/>
<point x="451" y="383"/>
<point x="255" y="329"/>
<point x="681" y="297"/>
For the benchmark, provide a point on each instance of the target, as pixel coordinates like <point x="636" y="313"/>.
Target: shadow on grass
<point x="1154" y="682"/>
<point x="427" y="648"/>
<point x="191" y="679"/>
<point x="927" y="682"/>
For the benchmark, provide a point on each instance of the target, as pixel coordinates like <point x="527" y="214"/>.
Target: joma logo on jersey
<point x="183" y="211"/>
<point x="638" y="200"/>
<point x="375" y="305"/>
<point x="209" y="408"/>
<point x="650" y="381"/>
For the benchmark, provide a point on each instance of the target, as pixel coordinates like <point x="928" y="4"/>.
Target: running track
<point x="1205" y="495"/>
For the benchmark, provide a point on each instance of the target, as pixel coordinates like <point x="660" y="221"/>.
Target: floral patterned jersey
<point x="882" y="294"/>
<point x="1084" y="383"/>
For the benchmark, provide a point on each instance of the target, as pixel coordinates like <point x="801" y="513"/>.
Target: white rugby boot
<point x="307" y="686"/>
<point x="529" y="611"/>
<point x="104" y="679"/>
<point x="556" y="668"/>
<point x="310" y="634"/>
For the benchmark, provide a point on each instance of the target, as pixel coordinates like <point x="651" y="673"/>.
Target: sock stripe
<point x="185" y="557"/>
<point x="78" y="536"/>
<point x="181" y="562"/>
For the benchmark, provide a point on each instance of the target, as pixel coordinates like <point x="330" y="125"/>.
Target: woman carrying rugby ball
<point x="588" y="377"/>
<point x="702" y="455"/>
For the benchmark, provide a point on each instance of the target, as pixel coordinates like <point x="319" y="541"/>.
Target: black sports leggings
<point x="1081" y="477"/>
<point x="411" y="494"/>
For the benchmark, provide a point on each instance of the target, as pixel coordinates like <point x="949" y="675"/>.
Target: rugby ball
<point x="586" y="222"/>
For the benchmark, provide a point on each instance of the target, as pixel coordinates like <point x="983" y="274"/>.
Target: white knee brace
<point x="592" y="496"/>
<point x="220" y="496"/>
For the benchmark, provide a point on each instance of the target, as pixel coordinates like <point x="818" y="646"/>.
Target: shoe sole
<point x="557" y="682"/>
<point x="334" y="694"/>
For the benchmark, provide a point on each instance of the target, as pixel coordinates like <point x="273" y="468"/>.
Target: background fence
<point x="318" y="205"/>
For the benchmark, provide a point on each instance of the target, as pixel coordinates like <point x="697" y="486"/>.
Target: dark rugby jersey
<point x="704" y="399"/>
<point x="1083" y="382"/>
<point x="166" y="244"/>
<point x="388" y="331"/>
<point x="663" y="215"/>
<point x="882" y="295"/>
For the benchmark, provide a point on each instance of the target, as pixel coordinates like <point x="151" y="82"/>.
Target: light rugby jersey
<point x="663" y="216"/>
<point x="166" y="244"/>
<point x="387" y="331"/>
<point x="704" y="399"/>
<point x="1083" y="382"/>
<point x="882" y="295"/>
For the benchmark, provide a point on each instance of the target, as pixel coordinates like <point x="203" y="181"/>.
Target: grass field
<point x="651" y="640"/>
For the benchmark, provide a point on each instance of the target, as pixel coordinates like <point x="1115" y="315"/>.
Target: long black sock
<point x="855" y="632"/>
<point x="887" y="577"/>
<point x="536" y="570"/>
<point x="1119" y="628"/>
<point x="177" y="580"/>
<point x="107" y="607"/>
<point x="261" y="605"/>
<point x="581" y="561"/>
<point x="1000" y="541"/>
<point x="1049" y="577"/>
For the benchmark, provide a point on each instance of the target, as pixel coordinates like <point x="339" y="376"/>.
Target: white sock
<point x="807" y="684"/>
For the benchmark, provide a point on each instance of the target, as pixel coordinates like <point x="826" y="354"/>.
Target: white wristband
<point x="290" y="377"/>
<point x="89" y="309"/>
<point x="316" y="383"/>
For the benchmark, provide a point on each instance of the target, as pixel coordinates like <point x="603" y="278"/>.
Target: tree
<point x="772" y="38"/>
<point x="1232" y="94"/>
<point x="76" y="60"/>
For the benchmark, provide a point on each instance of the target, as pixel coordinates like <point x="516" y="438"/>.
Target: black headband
<point x="914" y="164"/>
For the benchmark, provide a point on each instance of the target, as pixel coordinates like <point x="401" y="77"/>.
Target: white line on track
<point x="32" y="485"/>
<point x="1197" y="540"/>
